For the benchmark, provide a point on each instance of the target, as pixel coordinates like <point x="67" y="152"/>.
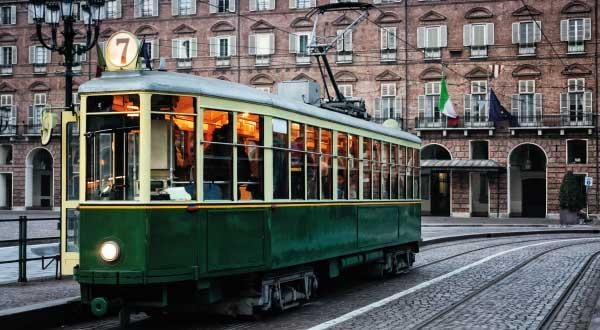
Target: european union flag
<point x="496" y="111"/>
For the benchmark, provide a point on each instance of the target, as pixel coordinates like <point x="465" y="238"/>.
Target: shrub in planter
<point x="571" y="198"/>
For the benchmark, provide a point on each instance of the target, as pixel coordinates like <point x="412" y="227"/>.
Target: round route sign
<point x="121" y="49"/>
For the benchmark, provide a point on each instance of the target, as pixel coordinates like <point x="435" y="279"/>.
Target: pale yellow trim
<point x="68" y="260"/>
<point x="145" y="147"/>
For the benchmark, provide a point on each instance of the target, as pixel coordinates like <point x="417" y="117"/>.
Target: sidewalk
<point x="428" y="221"/>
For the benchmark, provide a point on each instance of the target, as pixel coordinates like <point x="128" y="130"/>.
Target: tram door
<point x="69" y="233"/>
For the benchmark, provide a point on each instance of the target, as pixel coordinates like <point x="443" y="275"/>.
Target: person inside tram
<point x="217" y="164"/>
<point x="297" y="159"/>
<point x="341" y="188"/>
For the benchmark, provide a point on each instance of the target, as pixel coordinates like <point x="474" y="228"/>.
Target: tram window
<point x="298" y="160"/>
<point x="409" y="173"/>
<point x="312" y="164"/>
<point x="353" y="164"/>
<point x="326" y="164"/>
<point x="72" y="230"/>
<point x="402" y="172"/>
<point x="376" y="165"/>
<point x="112" y="157"/>
<point x="113" y="103"/>
<point x="394" y="171"/>
<point x="250" y="156"/>
<point x="385" y="171"/>
<point x="342" y="174"/>
<point x="417" y="174"/>
<point x="218" y="155"/>
<point x="72" y="161"/>
<point x="280" y="159"/>
<point x="367" y="150"/>
<point x="173" y="153"/>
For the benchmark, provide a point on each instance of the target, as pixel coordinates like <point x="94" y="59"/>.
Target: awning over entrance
<point x="463" y="165"/>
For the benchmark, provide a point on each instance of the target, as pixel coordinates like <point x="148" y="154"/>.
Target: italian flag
<point x="445" y="104"/>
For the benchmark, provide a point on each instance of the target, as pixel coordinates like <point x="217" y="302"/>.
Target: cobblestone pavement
<point x="351" y="293"/>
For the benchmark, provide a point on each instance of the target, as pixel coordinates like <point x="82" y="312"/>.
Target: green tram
<point x="187" y="191"/>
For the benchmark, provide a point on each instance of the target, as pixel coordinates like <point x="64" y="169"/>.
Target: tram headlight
<point x="109" y="251"/>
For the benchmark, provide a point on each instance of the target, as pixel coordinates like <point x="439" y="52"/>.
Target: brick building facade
<point x="544" y="52"/>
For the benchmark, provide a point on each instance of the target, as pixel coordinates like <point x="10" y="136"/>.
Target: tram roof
<point x="178" y="83"/>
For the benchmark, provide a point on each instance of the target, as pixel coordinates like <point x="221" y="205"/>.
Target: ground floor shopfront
<point x="503" y="176"/>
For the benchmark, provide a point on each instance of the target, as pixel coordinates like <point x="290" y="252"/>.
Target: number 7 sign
<point x="122" y="51"/>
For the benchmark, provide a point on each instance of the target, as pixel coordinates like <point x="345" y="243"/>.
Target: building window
<point x="300" y="4"/>
<point x="8" y="15"/>
<point x="576" y="151"/>
<point x="575" y="32"/>
<point x="221" y="6"/>
<point x="576" y="104"/>
<point x="429" y="111"/>
<point x="183" y="50"/>
<point x="112" y="9"/>
<point x="8" y="115"/>
<point x="526" y="35"/>
<point x="346" y="90"/>
<point x="431" y="39"/>
<point x="479" y="150"/>
<point x="476" y="110"/>
<point x="34" y="117"/>
<point x="39" y="56"/>
<point x="183" y="7"/>
<point x="260" y="5"/>
<point x="344" y="46"/>
<point x="527" y="104"/>
<point x="299" y="43"/>
<point x="262" y="46"/>
<point x="222" y="48"/>
<point x="388" y="44"/>
<point x="478" y="37"/>
<point x="388" y="104"/>
<point x="145" y="8"/>
<point x="78" y="59"/>
<point x="8" y="58"/>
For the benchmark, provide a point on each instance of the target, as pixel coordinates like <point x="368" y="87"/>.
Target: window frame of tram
<point x="247" y="129"/>
<point x="173" y="148"/>
<point x="111" y="148"/>
<point x="72" y="184"/>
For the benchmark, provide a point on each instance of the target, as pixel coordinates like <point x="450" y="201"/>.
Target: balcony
<point x="562" y="122"/>
<point x="184" y="63"/>
<point x="40" y="68"/>
<point x="443" y="123"/>
<point x="388" y="55"/>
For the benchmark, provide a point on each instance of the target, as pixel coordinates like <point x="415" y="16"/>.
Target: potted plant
<point x="571" y="199"/>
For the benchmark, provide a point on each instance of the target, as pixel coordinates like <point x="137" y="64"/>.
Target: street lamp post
<point x="50" y="12"/>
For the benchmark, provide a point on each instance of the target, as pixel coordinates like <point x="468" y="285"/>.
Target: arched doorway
<point x="435" y="190"/>
<point x="38" y="180"/>
<point x="527" y="181"/>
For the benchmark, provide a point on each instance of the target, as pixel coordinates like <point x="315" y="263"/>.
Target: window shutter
<point x="564" y="103"/>
<point x="118" y="9"/>
<point x="537" y="31"/>
<point x="587" y="102"/>
<point x="155" y="7"/>
<point x="313" y="3"/>
<point x="252" y="5"/>
<point x="30" y="14"/>
<point x="348" y="40"/>
<point x="515" y="104"/>
<point x="383" y="38"/>
<point x="443" y="36"/>
<point x="421" y="106"/>
<point x="489" y="29"/>
<point x="467" y="104"/>
<point x="193" y="47"/>
<point x="214" y="46"/>
<point x="340" y="41"/>
<point x="271" y="43"/>
<point x="293" y="38"/>
<point x="212" y="6"/>
<point x="48" y="56"/>
<point x="516" y="32"/>
<point x="175" y="48"/>
<point x="376" y="2"/>
<point x="193" y="7"/>
<point x="155" y="49"/>
<point x="232" y="46"/>
<point x="538" y="104"/>
<point x="397" y="107"/>
<point x="377" y="108"/>
<point x="564" y="30"/>
<point x="137" y="9"/>
<point x="13" y="15"/>
<point x="271" y="4"/>
<point x="467" y="35"/>
<point x="587" y="29"/>
<point x="421" y="37"/>
<point x="32" y="54"/>
<point x="252" y="44"/>
<point x="232" y="6"/>
<point x="392" y="38"/>
<point x="14" y="55"/>
<point x="174" y="7"/>
<point x="292" y="4"/>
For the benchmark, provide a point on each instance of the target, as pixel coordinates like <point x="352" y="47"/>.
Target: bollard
<point x="22" y="248"/>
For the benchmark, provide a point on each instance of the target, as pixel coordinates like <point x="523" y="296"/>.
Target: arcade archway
<point x="527" y="181"/>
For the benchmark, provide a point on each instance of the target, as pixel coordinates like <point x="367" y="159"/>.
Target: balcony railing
<point x="571" y="120"/>
<point x="442" y="122"/>
<point x="184" y="63"/>
<point x="223" y="61"/>
<point x="344" y="57"/>
<point x="40" y="68"/>
<point x="388" y="55"/>
<point x="8" y="120"/>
